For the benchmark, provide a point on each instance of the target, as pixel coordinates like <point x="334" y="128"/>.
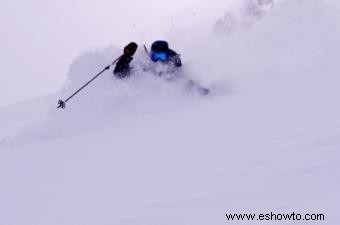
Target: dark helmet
<point x="160" y="51"/>
<point x="160" y="46"/>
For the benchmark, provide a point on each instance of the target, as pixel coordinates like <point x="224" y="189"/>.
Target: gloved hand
<point x="130" y="49"/>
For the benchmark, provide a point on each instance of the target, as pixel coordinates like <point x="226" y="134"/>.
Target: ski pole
<point x="62" y="104"/>
<point x="146" y="50"/>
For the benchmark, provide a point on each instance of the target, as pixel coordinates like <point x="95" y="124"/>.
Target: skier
<point x="161" y="57"/>
<point x="160" y="52"/>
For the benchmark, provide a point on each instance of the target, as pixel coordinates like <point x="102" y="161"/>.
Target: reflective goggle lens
<point x="159" y="56"/>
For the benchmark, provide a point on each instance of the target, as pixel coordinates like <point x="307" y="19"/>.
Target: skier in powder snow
<point x="160" y="53"/>
<point x="163" y="62"/>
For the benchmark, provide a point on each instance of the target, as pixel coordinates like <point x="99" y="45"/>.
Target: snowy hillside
<point x="146" y="151"/>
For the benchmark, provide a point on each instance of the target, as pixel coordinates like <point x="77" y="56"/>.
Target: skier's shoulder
<point x="172" y="53"/>
<point x="175" y="58"/>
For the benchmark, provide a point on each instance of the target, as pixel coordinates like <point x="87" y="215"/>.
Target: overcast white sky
<point x="40" y="38"/>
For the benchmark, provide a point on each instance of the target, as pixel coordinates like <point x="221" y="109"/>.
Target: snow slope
<point x="143" y="151"/>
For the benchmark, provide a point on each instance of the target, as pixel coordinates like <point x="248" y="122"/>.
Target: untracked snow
<point x="147" y="151"/>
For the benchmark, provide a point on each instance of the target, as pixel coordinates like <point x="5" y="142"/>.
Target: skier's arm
<point x="122" y="68"/>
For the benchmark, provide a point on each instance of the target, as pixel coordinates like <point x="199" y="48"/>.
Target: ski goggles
<point x="159" y="56"/>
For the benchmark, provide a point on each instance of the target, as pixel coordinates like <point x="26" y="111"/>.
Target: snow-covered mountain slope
<point x="144" y="151"/>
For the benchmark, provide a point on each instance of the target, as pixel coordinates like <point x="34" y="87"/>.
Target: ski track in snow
<point x="144" y="151"/>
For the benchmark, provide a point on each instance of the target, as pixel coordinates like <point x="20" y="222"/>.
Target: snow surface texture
<point x="144" y="151"/>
